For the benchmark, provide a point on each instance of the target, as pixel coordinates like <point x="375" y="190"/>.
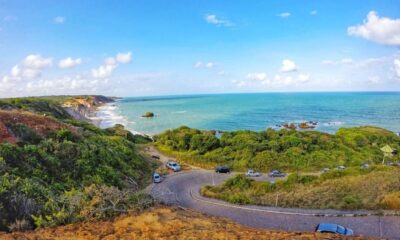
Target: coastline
<point x="108" y="115"/>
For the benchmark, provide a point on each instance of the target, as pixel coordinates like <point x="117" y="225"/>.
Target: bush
<point x="239" y="198"/>
<point x="391" y="201"/>
<point x="281" y="149"/>
<point x="239" y="182"/>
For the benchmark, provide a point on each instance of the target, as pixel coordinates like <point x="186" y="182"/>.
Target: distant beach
<point x="258" y="111"/>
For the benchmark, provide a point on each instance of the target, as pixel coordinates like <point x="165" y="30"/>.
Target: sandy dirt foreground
<point x="162" y="223"/>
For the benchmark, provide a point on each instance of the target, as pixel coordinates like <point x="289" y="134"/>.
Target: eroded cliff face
<point x="42" y="116"/>
<point x="82" y="108"/>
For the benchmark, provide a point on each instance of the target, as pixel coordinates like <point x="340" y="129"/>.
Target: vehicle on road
<point x="173" y="166"/>
<point x="155" y="156"/>
<point x="252" y="173"/>
<point x="324" y="170"/>
<point x="364" y="166"/>
<point x="276" y="173"/>
<point x="340" y="167"/>
<point x="222" y="169"/>
<point x="156" y="178"/>
<point x="333" y="228"/>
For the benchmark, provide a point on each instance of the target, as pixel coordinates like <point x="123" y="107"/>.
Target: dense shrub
<point x="278" y="149"/>
<point x="45" y="180"/>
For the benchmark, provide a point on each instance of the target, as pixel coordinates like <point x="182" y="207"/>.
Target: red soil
<point x="40" y="124"/>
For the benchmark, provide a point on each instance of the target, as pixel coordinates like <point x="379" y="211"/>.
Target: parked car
<point x="155" y="156"/>
<point x="222" y="169"/>
<point x="364" y="166"/>
<point x="173" y="166"/>
<point x="156" y="178"/>
<point x="333" y="228"/>
<point x="276" y="173"/>
<point x="340" y="167"/>
<point x="252" y="173"/>
<point x="324" y="170"/>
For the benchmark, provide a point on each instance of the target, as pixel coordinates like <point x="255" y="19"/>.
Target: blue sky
<point x="136" y="48"/>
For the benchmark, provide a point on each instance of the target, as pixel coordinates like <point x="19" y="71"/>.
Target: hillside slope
<point x="164" y="223"/>
<point x="57" y="170"/>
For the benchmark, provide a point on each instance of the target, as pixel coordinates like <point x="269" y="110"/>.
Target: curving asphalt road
<point x="183" y="189"/>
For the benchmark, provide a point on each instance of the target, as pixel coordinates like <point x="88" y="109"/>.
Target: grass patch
<point x="354" y="188"/>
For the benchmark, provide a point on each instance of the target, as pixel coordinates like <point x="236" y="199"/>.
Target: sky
<point x="174" y="47"/>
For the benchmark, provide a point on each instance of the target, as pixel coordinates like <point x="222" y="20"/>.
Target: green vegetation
<point x="287" y="150"/>
<point x="377" y="187"/>
<point x="49" y="106"/>
<point x="67" y="175"/>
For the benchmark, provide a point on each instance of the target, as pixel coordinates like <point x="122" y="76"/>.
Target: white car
<point x="341" y="167"/>
<point x="156" y="178"/>
<point x="252" y="173"/>
<point x="173" y="166"/>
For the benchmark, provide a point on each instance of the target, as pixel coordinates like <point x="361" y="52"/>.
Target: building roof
<point x="387" y="149"/>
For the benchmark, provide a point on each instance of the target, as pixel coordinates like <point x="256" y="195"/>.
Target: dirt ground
<point x="161" y="223"/>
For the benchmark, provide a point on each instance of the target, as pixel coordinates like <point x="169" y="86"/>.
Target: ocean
<point x="256" y="111"/>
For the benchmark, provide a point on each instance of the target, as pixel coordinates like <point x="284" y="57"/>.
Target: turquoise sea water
<point x="256" y="111"/>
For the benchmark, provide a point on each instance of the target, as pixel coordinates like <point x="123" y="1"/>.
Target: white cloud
<point x="36" y="61"/>
<point x="69" y="62"/>
<point x="346" y="61"/>
<point x="303" y="78"/>
<point x="103" y="71"/>
<point x="288" y="66"/>
<point x="284" y="15"/>
<point x="291" y="80"/>
<point x="239" y="83"/>
<point x="382" y="30"/>
<point x="110" y="64"/>
<point x="59" y="20"/>
<point x="343" y="61"/>
<point x="63" y="85"/>
<point x="124" y="57"/>
<point x="314" y="12"/>
<point x="213" y="19"/>
<point x="221" y="73"/>
<point x="285" y="80"/>
<point x="198" y="64"/>
<point x="261" y="76"/>
<point x="374" y="79"/>
<point x="210" y="65"/>
<point x="396" y="63"/>
<point x="16" y="71"/>
<point x="110" y="61"/>
<point x="31" y="67"/>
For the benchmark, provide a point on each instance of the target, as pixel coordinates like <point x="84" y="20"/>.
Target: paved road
<point x="183" y="189"/>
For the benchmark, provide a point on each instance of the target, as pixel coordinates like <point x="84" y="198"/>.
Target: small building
<point x="387" y="152"/>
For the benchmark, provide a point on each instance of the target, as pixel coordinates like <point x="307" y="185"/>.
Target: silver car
<point x="252" y="173"/>
<point x="173" y="166"/>
<point x="156" y="178"/>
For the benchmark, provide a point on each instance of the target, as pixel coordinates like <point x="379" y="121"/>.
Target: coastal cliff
<point x="82" y="108"/>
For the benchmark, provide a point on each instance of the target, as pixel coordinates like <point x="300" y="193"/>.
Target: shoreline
<point x="106" y="116"/>
<point x="107" y="113"/>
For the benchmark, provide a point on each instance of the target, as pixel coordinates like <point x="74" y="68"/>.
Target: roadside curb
<point x="290" y="213"/>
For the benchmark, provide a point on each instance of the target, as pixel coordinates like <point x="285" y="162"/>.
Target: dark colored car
<point x="155" y="156"/>
<point x="333" y="228"/>
<point x="222" y="169"/>
<point x="276" y="173"/>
